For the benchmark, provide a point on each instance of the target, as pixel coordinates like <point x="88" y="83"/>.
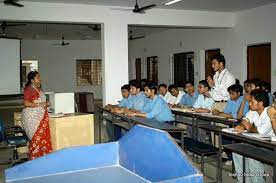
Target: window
<point x="183" y="68"/>
<point x="152" y="69"/>
<point x="89" y="72"/>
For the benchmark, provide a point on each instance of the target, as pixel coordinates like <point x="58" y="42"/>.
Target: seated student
<point x="245" y="102"/>
<point x="124" y="103"/>
<point x="266" y="87"/>
<point x="173" y="89"/>
<point x="138" y="98"/>
<point x="204" y="102"/>
<point x="156" y="108"/>
<point x="190" y="96"/>
<point x="167" y="96"/>
<point x="233" y="105"/>
<point x="256" y="120"/>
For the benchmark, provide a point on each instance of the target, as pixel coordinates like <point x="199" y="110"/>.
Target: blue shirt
<point x="270" y="97"/>
<point x="138" y="101"/>
<point x="125" y="102"/>
<point x="189" y="100"/>
<point x="158" y="109"/>
<point x="203" y="102"/>
<point x="232" y="107"/>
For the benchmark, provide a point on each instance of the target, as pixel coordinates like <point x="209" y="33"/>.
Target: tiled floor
<point x="209" y="169"/>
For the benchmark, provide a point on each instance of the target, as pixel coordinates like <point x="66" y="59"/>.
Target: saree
<point x="35" y="122"/>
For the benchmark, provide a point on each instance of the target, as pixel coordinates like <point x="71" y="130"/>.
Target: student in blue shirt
<point x="190" y="96"/>
<point x="156" y="108"/>
<point x="138" y="98"/>
<point x="204" y="102"/>
<point x="233" y="105"/>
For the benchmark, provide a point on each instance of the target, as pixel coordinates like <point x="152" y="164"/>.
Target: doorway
<point x="209" y="54"/>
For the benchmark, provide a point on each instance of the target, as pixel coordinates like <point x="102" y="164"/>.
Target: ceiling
<point x="44" y="31"/>
<point x="208" y="5"/>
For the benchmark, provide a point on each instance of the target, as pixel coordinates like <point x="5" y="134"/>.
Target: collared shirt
<point x="169" y="98"/>
<point x="233" y="106"/>
<point x="189" y="100"/>
<point x="262" y="122"/>
<point x="138" y="101"/>
<point x="203" y="102"/>
<point x="222" y="81"/>
<point x="158" y="109"/>
<point x="178" y="98"/>
<point x="125" y="102"/>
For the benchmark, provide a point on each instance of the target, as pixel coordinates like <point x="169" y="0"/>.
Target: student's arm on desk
<point x="272" y="116"/>
<point x="245" y="125"/>
<point x="218" y="113"/>
<point x="201" y="110"/>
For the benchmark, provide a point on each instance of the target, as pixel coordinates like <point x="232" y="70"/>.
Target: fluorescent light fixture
<point x="171" y="2"/>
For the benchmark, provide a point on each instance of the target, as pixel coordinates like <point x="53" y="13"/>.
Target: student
<point x="233" y="105"/>
<point x="190" y="96"/>
<point x="167" y="96"/>
<point x="245" y="100"/>
<point x="256" y="120"/>
<point x="203" y="103"/>
<point x="125" y="102"/>
<point x="220" y="82"/>
<point x="156" y="108"/>
<point x="138" y="98"/>
<point x="266" y="87"/>
<point x="173" y="89"/>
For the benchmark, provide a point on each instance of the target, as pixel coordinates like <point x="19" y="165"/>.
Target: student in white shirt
<point x="165" y="94"/>
<point x="220" y="82"/>
<point x="173" y="89"/>
<point x="256" y="120"/>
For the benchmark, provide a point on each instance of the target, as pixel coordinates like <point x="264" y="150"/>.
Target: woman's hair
<point x="31" y="75"/>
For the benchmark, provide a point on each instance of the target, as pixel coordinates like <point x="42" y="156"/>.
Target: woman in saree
<point x="35" y="118"/>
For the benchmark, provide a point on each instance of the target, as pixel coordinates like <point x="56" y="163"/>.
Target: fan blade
<point x="12" y="3"/>
<point x="140" y="37"/>
<point x="57" y="44"/>
<point x="64" y="44"/>
<point x="14" y="25"/>
<point x="147" y="7"/>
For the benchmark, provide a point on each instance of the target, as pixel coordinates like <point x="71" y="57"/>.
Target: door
<point x="209" y="54"/>
<point x="259" y="62"/>
<point x="138" y="68"/>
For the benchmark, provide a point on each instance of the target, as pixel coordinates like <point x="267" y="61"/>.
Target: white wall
<point x="253" y="27"/>
<point x="57" y="64"/>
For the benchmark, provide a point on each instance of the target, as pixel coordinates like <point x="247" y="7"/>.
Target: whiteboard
<point x="9" y="66"/>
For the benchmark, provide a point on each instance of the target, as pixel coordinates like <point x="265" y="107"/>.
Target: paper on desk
<point x="182" y="110"/>
<point x="231" y="130"/>
<point x="257" y="135"/>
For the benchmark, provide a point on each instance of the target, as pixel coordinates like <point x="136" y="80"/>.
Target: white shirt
<point x="222" y="81"/>
<point x="178" y="98"/>
<point x="168" y="98"/>
<point x="262" y="122"/>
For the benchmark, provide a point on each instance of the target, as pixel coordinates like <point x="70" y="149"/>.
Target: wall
<point x="253" y="27"/>
<point x="57" y="64"/>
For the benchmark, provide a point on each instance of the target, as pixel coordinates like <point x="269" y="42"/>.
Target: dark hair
<point x="135" y="83"/>
<point x="235" y="88"/>
<point x="260" y="96"/>
<point x="257" y="82"/>
<point x="220" y="58"/>
<point x="237" y="81"/>
<point x="151" y="86"/>
<point x="173" y="86"/>
<point x="31" y="76"/>
<point x="266" y="85"/>
<point x="248" y="81"/>
<point x="204" y="83"/>
<point x="162" y="85"/>
<point x="143" y="83"/>
<point x="125" y="87"/>
<point x="189" y="82"/>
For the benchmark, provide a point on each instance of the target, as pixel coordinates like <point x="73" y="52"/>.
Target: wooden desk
<point x="72" y="130"/>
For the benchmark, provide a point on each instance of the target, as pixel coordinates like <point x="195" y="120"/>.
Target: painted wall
<point x="57" y="64"/>
<point x="253" y="27"/>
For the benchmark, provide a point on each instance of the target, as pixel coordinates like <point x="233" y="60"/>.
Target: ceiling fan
<point x="138" y="9"/>
<point x="63" y="43"/>
<point x="95" y="27"/>
<point x="4" y="25"/>
<point x="133" y="38"/>
<point x="13" y="3"/>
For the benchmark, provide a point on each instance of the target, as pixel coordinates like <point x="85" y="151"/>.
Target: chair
<point x="13" y="137"/>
